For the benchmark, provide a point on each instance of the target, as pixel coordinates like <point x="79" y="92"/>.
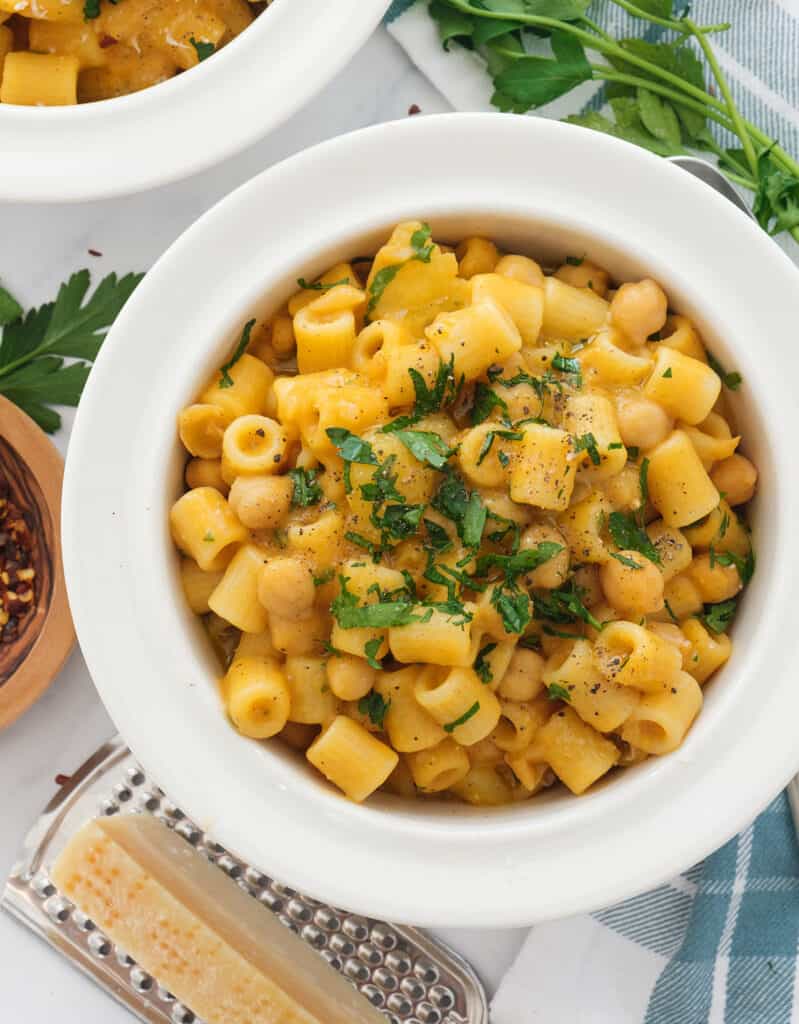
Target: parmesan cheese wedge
<point x="194" y="930"/>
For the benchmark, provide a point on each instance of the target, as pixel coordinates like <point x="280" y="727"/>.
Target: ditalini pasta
<point x="461" y="526"/>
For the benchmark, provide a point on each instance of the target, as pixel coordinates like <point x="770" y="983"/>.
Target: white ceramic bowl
<point x="536" y="186"/>
<point x="183" y="125"/>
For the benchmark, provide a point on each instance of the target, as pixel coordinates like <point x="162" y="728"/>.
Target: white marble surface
<point x="39" y="247"/>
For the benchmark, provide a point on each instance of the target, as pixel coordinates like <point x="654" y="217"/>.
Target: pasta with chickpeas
<point x="463" y="525"/>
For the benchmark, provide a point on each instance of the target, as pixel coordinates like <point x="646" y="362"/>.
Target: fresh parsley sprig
<point x="33" y="373"/>
<point x="665" y="96"/>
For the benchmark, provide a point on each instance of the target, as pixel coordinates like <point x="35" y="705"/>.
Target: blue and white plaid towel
<point x="718" y="945"/>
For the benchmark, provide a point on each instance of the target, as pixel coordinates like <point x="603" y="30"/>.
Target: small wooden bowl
<point x="34" y="470"/>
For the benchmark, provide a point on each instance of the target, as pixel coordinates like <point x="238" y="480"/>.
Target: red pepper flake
<point x="95" y="252"/>
<point x="62" y="780"/>
<point x="17" y="572"/>
<point x="414" y="108"/>
<point x="106" y="41"/>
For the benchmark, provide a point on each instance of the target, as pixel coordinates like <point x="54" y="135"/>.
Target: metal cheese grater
<point x="410" y="977"/>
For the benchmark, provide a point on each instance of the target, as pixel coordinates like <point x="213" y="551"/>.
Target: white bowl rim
<point x="462" y="869"/>
<point x="188" y="123"/>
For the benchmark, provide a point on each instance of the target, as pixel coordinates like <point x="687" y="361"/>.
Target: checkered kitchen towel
<point x="718" y="945"/>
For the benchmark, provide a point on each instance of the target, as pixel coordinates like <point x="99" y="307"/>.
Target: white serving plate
<point x="196" y="119"/>
<point x="537" y="186"/>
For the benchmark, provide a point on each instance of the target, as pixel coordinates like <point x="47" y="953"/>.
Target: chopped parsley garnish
<point x="425" y="446"/>
<point x="306" y="490"/>
<point x="523" y="562"/>
<point x="400" y="521"/>
<point x="488" y="443"/>
<point x="531" y="643"/>
<point x="615" y="446"/>
<point x="485" y="401"/>
<point x="91" y="9"/>
<point x="370" y="649"/>
<point x="422" y="250"/>
<point x="437" y="536"/>
<point x="444" y="391"/>
<point x="629" y="535"/>
<point x="358" y="539"/>
<point x="745" y="566"/>
<point x="625" y="560"/>
<point x="351" y="449"/>
<point x="470" y="713"/>
<point x="465" y="510"/>
<point x="209" y="538"/>
<point x="326" y="577"/>
<point x="670" y="611"/>
<point x="574" y="261"/>
<point x="318" y="286"/>
<point x="668" y="373"/>
<point x="513" y="606"/>
<point x="504" y="459"/>
<point x="567" y="365"/>
<point x="565" y="604"/>
<point x="717" y="617"/>
<point x="587" y="443"/>
<point x="225" y="380"/>
<point x="481" y="666"/>
<point x="643" y="482"/>
<point x="375" y="707"/>
<point x="383" y="485"/>
<point x="633" y="451"/>
<point x="349" y="614"/>
<point x="732" y="380"/>
<point x="203" y="49"/>
<point x="557" y="692"/>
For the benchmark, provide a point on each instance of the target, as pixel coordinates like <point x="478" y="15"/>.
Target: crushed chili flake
<point x="94" y="252"/>
<point x="62" y="780"/>
<point x="414" y="108"/>
<point x="105" y="42"/>
<point x="17" y="574"/>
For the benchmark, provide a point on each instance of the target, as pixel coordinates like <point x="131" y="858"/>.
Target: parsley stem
<point x="680" y="25"/>
<point x="735" y="114"/>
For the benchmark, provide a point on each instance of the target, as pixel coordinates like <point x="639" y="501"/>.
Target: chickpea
<point x="521" y="268"/>
<point x="642" y="422"/>
<point x="735" y="478"/>
<point x="554" y="571"/>
<point x="261" y="502"/>
<point x="586" y="275"/>
<point x="632" y="591"/>
<point x="286" y="589"/>
<point x="714" y="583"/>
<point x="522" y="680"/>
<point x="205" y="473"/>
<point x="639" y="309"/>
<point x="350" y="678"/>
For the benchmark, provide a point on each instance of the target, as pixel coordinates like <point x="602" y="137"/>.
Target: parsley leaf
<point x="717" y="617"/>
<point x="587" y="443"/>
<point x="488" y="444"/>
<point x="732" y="380"/>
<point x="557" y="692"/>
<point x="204" y="49"/>
<point x="625" y="560"/>
<point x="485" y="401"/>
<point x="318" y="286"/>
<point x="91" y="9"/>
<point x="306" y="491"/>
<point x="470" y="713"/>
<point x="380" y="615"/>
<point x="225" y="380"/>
<point x="523" y="562"/>
<point x="326" y="577"/>
<point x="474" y="521"/>
<point x="370" y="649"/>
<point x="574" y="261"/>
<point x="375" y="707"/>
<point x="629" y="535"/>
<point x="564" y="604"/>
<point x="466" y="510"/>
<point x="481" y="667"/>
<point x="10" y="309"/>
<point x="745" y="566"/>
<point x="400" y="521"/>
<point x="513" y="606"/>
<point x="351" y="449"/>
<point x="569" y="366"/>
<point x="32" y="370"/>
<point x="437" y="536"/>
<point x="425" y="446"/>
<point x="422" y="251"/>
<point x="530" y="82"/>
